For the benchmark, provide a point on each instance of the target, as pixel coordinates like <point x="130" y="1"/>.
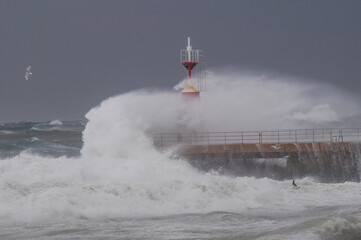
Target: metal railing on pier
<point x="259" y="137"/>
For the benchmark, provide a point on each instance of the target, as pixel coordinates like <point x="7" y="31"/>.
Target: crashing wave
<point x="56" y="123"/>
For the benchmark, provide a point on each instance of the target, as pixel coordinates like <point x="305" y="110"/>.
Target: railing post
<point x="296" y="136"/>
<point x="313" y="136"/>
<point x="242" y="138"/>
<point x="278" y="137"/>
<point x="340" y="135"/>
<point x="225" y="138"/>
<point x="260" y="137"/>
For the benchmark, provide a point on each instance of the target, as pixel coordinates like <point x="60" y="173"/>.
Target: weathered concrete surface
<point x="329" y="162"/>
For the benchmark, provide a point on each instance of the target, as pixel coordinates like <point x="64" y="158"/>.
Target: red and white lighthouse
<point x="189" y="59"/>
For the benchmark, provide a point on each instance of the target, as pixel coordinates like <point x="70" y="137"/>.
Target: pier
<point x="331" y="155"/>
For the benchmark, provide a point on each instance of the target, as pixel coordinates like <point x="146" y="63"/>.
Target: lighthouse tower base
<point x="190" y="93"/>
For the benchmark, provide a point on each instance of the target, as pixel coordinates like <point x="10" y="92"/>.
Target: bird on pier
<point x="276" y="147"/>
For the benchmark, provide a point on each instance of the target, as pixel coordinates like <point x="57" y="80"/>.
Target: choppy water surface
<point x="53" y="138"/>
<point x="320" y="223"/>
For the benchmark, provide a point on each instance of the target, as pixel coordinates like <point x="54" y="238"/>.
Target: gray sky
<point x="82" y="52"/>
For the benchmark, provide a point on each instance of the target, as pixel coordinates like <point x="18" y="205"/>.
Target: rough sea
<point x="49" y="191"/>
<point x="103" y="179"/>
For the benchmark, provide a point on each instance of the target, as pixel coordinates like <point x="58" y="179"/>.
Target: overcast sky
<point x="82" y="52"/>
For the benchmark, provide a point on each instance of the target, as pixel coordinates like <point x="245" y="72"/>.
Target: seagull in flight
<point x="28" y="73"/>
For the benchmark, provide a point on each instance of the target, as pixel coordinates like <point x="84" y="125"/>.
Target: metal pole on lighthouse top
<point x="189" y="52"/>
<point x="189" y="49"/>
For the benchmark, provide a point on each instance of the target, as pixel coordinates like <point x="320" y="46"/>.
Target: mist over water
<point x="120" y="175"/>
<point x="236" y="101"/>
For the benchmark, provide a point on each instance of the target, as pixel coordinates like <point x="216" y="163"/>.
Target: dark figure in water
<point x="294" y="184"/>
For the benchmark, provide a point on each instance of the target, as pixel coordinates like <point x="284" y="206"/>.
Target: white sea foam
<point x="346" y="225"/>
<point x="56" y="122"/>
<point x="279" y="162"/>
<point x="33" y="139"/>
<point x="6" y="132"/>
<point x="120" y="173"/>
<point x="36" y="129"/>
<point x="35" y="188"/>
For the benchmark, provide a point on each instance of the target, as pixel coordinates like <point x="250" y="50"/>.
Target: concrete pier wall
<point x="328" y="162"/>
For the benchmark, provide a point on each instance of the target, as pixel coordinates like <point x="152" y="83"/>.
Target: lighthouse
<point x="189" y="59"/>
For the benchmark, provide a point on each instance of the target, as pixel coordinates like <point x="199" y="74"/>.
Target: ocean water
<point x="54" y="138"/>
<point x="103" y="179"/>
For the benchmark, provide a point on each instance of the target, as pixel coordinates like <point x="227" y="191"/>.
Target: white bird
<point x="28" y="73"/>
<point x="276" y="147"/>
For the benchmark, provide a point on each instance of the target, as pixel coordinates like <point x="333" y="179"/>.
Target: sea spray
<point x="120" y="174"/>
<point x="237" y="101"/>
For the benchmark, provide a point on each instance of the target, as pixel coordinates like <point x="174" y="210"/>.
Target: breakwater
<point x="322" y="154"/>
<point x="328" y="162"/>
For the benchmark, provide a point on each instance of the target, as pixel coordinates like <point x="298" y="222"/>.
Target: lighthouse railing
<point x="189" y="56"/>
